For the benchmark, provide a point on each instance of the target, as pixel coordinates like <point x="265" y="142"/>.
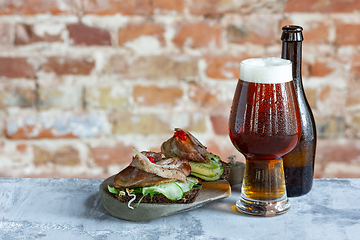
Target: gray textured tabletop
<point x="72" y="209"/>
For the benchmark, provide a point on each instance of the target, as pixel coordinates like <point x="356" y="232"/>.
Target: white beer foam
<point x="266" y="70"/>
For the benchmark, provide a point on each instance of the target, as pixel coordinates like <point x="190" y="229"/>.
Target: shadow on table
<point x="95" y="209"/>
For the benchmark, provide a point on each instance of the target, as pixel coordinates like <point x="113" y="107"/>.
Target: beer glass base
<point x="262" y="208"/>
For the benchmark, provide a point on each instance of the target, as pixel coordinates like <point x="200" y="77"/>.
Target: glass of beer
<point x="264" y="125"/>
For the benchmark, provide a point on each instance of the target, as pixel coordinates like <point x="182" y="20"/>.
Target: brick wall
<point x="82" y="82"/>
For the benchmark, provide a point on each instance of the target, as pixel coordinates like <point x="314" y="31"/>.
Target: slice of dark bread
<point x="188" y="197"/>
<point x="226" y="171"/>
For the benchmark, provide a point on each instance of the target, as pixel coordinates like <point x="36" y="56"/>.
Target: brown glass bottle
<point x="299" y="163"/>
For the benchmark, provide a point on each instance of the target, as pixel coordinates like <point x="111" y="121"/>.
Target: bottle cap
<point x="292" y="33"/>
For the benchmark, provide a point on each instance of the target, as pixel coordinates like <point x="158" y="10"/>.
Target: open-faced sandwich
<point x="174" y="175"/>
<point x="151" y="179"/>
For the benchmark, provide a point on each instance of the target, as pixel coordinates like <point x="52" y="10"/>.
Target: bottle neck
<point x="292" y="51"/>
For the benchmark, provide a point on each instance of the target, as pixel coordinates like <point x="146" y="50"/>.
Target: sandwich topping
<point x="186" y="146"/>
<point x="174" y="171"/>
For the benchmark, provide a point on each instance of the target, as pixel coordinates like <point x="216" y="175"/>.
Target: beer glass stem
<point x="263" y="190"/>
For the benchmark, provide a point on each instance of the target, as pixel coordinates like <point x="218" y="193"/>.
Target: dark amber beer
<point x="299" y="163"/>
<point x="264" y="125"/>
<point x="260" y="131"/>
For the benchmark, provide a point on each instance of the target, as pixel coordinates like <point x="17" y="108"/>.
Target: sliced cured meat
<point x="142" y="162"/>
<point x="132" y="177"/>
<point x="186" y="146"/>
<point x="175" y="163"/>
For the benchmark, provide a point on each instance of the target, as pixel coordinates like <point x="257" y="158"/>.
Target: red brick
<point x="354" y="125"/>
<point x="127" y="123"/>
<point x="6" y="35"/>
<point x="200" y="34"/>
<point x="62" y="125"/>
<point x="316" y="33"/>
<point x="111" y="155"/>
<point x="132" y="32"/>
<point x="108" y="97"/>
<point x="286" y="21"/>
<point x="166" y="5"/>
<point x="204" y="96"/>
<point x="311" y="97"/>
<point x="154" y="123"/>
<point x="336" y="151"/>
<point x="33" y="7"/>
<point x="204" y="7"/>
<point x="154" y="95"/>
<point x="16" y="68"/>
<point x="21" y="147"/>
<point x="81" y="34"/>
<point x="63" y="66"/>
<point x="212" y="7"/>
<point x="323" y="6"/>
<point x="223" y="67"/>
<point x="59" y="96"/>
<point x="250" y="31"/>
<point x="305" y="70"/>
<point x="220" y="124"/>
<point x="217" y="8"/>
<point x="110" y="7"/>
<point x="26" y="133"/>
<point x="153" y="67"/>
<point x="355" y="67"/>
<point x="41" y="155"/>
<point x="347" y="34"/>
<point x="330" y="126"/>
<point x="353" y="97"/>
<point x="24" y="34"/>
<point x="66" y="155"/>
<point x="320" y="69"/>
<point x="325" y="93"/>
<point x="17" y="96"/>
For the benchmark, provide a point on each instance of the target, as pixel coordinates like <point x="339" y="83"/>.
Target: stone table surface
<point x="72" y="209"/>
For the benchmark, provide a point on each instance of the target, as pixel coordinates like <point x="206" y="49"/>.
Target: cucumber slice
<point x="207" y="171"/>
<point x="171" y="190"/>
<point x="192" y="179"/>
<point x="211" y="165"/>
<point x="201" y="168"/>
<point x="185" y="187"/>
<point x="214" y="159"/>
<point x="207" y="178"/>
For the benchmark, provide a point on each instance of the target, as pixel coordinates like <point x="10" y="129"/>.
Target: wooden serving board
<point x="210" y="191"/>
